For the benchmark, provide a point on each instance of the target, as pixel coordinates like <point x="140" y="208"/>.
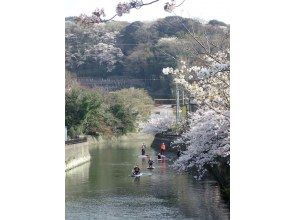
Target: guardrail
<point x="76" y="141"/>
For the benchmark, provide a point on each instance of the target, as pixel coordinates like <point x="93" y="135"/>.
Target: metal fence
<point x="114" y="84"/>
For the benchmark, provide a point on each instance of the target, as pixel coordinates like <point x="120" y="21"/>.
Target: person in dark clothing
<point x="143" y="149"/>
<point x="179" y="153"/>
<point x="136" y="170"/>
<point x="159" y="156"/>
<point x="150" y="162"/>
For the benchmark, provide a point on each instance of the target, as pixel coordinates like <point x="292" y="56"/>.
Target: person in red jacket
<point x="162" y="148"/>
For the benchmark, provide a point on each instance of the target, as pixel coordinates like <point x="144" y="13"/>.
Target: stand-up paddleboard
<point x="141" y="174"/>
<point x="136" y="175"/>
<point x="163" y="158"/>
<point x="143" y="156"/>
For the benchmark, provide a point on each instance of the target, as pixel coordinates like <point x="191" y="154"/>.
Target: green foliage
<point x="80" y="108"/>
<point x="126" y="118"/>
<point x="147" y="48"/>
<point x="93" y="113"/>
<point x="173" y="26"/>
<point x="217" y="23"/>
<point x="113" y="26"/>
<point x="145" y="55"/>
<point x="128" y="38"/>
<point x="73" y="112"/>
<point x="74" y="131"/>
<point x="136" y="100"/>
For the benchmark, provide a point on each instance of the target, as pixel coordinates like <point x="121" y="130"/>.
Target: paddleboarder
<point x="143" y="148"/>
<point x="162" y="148"/>
<point x="136" y="170"/>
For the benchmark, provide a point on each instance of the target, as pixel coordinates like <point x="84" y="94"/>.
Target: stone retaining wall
<point x="78" y="154"/>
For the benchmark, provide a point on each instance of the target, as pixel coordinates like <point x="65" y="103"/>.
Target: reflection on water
<point x="103" y="189"/>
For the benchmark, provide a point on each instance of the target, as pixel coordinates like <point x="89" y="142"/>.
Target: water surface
<point x="103" y="189"/>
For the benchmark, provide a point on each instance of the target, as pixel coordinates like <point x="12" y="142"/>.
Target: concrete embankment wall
<point x="78" y="154"/>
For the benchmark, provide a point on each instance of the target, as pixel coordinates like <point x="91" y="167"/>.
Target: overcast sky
<point x="201" y="9"/>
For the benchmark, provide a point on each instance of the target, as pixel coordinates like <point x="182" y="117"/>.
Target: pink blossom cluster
<point x="170" y="6"/>
<point x="207" y="140"/>
<point x="124" y="8"/>
<point x="93" y="19"/>
<point x="158" y="124"/>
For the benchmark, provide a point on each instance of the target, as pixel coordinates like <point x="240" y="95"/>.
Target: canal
<point x="103" y="189"/>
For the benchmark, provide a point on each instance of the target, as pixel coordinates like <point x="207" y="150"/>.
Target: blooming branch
<point x="121" y="9"/>
<point x="207" y="139"/>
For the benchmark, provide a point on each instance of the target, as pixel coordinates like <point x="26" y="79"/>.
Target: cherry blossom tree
<point x="207" y="140"/>
<point x="207" y="79"/>
<point x="208" y="136"/>
<point x="106" y="54"/>
<point x="91" y="44"/>
<point x="208" y="83"/>
<point x="158" y="123"/>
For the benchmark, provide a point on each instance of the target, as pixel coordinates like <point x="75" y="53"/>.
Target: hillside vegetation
<point x="136" y="50"/>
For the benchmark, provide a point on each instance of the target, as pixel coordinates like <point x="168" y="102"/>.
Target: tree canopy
<point x="135" y="50"/>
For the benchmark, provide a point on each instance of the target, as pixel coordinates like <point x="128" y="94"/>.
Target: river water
<point x="103" y="189"/>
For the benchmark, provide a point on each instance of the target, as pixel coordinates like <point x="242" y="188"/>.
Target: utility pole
<point x="183" y="95"/>
<point x="178" y="104"/>
<point x="65" y="133"/>
<point x="183" y="104"/>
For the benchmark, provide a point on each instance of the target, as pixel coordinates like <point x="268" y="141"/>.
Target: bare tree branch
<point x="198" y="41"/>
<point x="149" y="3"/>
<point x="110" y="19"/>
<point x="132" y="4"/>
<point x="180" y="4"/>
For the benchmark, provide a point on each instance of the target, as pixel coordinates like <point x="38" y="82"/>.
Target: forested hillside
<point x="138" y="50"/>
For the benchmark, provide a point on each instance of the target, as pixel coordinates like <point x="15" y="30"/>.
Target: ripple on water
<point x="103" y="189"/>
<point x="118" y="207"/>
